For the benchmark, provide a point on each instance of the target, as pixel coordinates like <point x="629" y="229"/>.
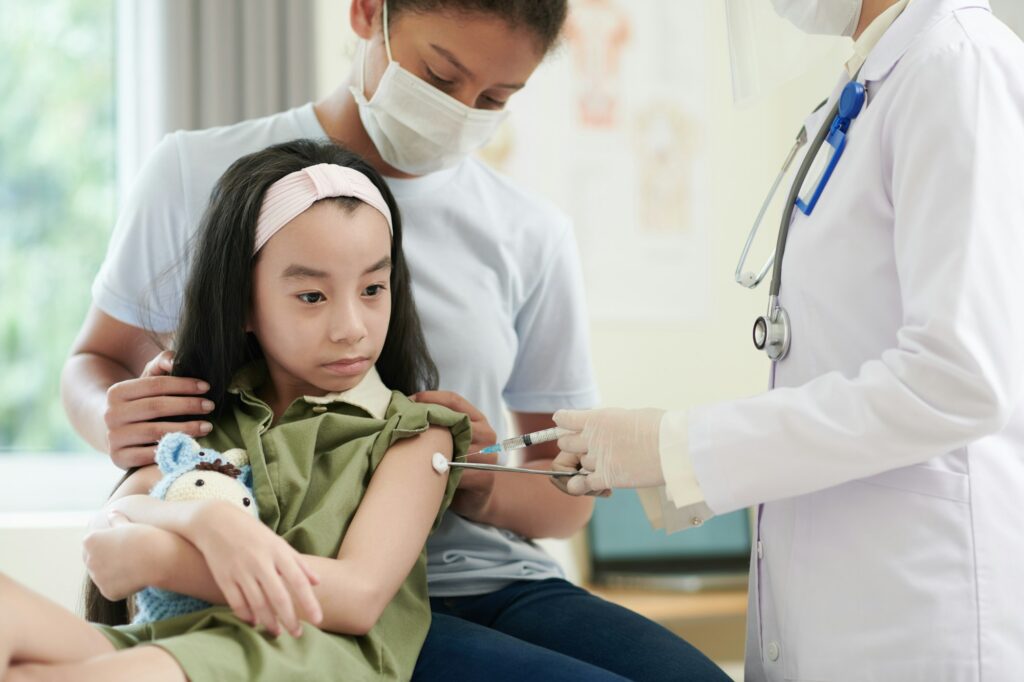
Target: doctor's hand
<point x="618" y="447"/>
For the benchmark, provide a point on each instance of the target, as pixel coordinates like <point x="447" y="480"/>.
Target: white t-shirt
<point x="496" y="277"/>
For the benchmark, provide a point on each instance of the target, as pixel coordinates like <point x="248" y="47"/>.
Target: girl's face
<point x="477" y="59"/>
<point x="322" y="299"/>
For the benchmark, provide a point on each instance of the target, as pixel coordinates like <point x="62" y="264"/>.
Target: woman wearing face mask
<point x="428" y="87"/>
<point x="887" y="465"/>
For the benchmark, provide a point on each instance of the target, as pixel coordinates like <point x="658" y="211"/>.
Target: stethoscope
<point x="772" y="331"/>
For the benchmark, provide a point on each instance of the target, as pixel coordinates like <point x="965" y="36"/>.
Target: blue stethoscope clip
<point x="851" y="101"/>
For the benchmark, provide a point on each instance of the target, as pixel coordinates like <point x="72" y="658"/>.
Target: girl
<point x="297" y="315"/>
<point x="497" y="281"/>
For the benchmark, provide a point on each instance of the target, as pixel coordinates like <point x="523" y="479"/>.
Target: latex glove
<point x="620" y="448"/>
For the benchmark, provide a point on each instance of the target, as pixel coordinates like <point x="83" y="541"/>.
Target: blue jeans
<point x="552" y="630"/>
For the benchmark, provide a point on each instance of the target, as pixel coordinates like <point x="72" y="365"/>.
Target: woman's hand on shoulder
<point x="264" y="580"/>
<point x="475" y="486"/>
<point x="483" y="434"/>
<point x="135" y="408"/>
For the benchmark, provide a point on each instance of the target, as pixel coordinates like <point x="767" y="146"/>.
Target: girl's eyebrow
<point x="383" y="264"/>
<point x="300" y="271"/>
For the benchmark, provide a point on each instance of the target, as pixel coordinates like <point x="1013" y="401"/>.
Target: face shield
<point x="767" y="51"/>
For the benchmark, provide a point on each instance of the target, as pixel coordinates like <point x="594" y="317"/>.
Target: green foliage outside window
<point x="57" y="201"/>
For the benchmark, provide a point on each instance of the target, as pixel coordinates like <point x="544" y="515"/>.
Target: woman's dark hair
<point x="211" y="342"/>
<point x="544" y="17"/>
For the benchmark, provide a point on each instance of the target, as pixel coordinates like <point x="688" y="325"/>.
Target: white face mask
<point x="417" y="128"/>
<point x="826" y="17"/>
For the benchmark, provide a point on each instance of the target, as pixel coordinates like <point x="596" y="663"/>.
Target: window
<point x="57" y="203"/>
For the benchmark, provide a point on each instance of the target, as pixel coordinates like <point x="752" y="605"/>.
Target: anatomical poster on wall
<point x="613" y="130"/>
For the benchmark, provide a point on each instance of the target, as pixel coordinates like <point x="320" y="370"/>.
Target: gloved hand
<point x="619" y="448"/>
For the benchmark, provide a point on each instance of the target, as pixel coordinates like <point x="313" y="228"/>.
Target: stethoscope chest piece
<point x="772" y="331"/>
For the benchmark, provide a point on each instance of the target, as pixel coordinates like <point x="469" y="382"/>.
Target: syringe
<point x="526" y="440"/>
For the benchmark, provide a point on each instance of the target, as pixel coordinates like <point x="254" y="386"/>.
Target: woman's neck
<point x="338" y="114"/>
<point x="871" y="10"/>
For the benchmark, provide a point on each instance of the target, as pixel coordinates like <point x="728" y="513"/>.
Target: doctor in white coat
<point x="887" y="465"/>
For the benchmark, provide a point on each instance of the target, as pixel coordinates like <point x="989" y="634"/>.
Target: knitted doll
<point x="193" y="473"/>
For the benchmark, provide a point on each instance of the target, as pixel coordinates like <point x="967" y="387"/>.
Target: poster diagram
<point x="613" y="130"/>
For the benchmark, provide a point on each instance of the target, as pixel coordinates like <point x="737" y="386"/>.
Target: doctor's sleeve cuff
<point x="664" y="515"/>
<point x="681" y="486"/>
<point x="679" y="504"/>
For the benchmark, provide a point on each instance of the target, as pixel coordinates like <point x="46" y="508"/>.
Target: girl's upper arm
<point x="397" y="512"/>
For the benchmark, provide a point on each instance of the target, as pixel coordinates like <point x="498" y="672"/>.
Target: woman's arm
<point x="530" y="505"/>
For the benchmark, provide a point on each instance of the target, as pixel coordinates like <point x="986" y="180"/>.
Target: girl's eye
<point x="373" y="289"/>
<point x="311" y="297"/>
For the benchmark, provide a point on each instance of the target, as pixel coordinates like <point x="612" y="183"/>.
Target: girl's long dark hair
<point x="211" y="342"/>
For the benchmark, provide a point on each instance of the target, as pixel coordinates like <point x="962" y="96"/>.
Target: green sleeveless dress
<point x="310" y="472"/>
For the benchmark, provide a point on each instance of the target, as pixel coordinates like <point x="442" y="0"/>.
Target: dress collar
<point x="370" y="394"/>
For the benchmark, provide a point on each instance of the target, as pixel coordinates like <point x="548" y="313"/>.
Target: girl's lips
<point x="348" y="367"/>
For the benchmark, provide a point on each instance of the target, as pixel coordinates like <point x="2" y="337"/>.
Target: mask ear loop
<point x="366" y="46"/>
<point x="387" y="40"/>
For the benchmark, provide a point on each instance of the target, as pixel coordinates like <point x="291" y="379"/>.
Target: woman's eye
<point x="374" y="289"/>
<point x="492" y="103"/>
<point x="312" y="297"/>
<point x="443" y="82"/>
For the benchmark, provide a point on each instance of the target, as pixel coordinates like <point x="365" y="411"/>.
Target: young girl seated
<point x="298" y="314"/>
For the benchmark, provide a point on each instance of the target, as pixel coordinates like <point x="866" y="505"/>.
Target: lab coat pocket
<point x="882" y="572"/>
<point x="925" y="480"/>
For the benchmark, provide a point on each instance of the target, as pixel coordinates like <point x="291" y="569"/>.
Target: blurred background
<point x="637" y="126"/>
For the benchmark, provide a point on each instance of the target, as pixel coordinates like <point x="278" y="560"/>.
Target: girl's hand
<point x="104" y="553"/>
<point x="136" y="406"/>
<point x="263" y="579"/>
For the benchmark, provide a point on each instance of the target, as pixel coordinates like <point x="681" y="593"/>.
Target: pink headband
<point x="295" y="192"/>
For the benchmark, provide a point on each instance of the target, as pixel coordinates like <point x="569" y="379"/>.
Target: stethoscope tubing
<point x="794" y="194"/>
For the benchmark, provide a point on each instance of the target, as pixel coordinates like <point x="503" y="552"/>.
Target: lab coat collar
<point x="919" y="16"/>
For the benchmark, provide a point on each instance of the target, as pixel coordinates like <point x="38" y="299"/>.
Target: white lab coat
<point x="890" y="456"/>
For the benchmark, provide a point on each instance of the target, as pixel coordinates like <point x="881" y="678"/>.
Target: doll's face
<point x="322" y="300"/>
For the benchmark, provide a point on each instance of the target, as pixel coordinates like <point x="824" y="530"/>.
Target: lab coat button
<point x="696" y="521"/>
<point x="772" y="651"/>
<point x="319" y="409"/>
<point x="760" y="550"/>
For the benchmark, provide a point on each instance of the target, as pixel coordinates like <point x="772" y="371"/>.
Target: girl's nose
<point x="347" y="324"/>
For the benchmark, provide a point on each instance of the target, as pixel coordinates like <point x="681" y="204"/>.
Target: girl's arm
<point x="383" y="542"/>
<point x="386" y="536"/>
<point x="216" y="552"/>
